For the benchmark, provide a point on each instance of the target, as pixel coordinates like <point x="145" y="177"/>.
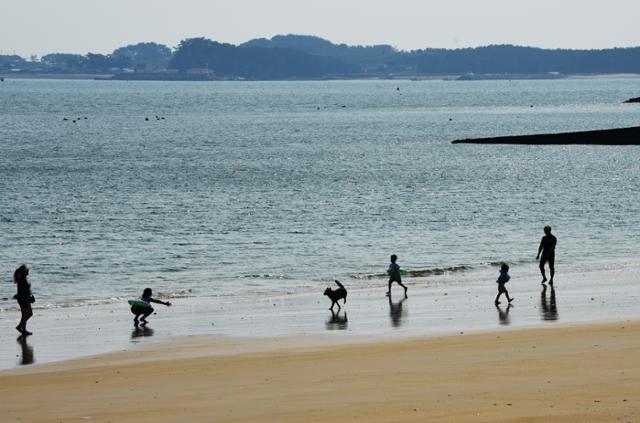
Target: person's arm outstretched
<point x="153" y="300"/>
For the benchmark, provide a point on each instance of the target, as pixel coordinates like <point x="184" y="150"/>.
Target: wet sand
<point x="581" y="373"/>
<point x="436" y="306"/>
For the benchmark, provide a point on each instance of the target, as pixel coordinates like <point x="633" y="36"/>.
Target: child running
<point x="394" y="275"/>
<point x="142" y="307"/>
<point x="502" y="280"/>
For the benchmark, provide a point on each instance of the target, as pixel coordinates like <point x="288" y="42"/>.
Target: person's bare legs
<point x="26" y="315"/>
<point x="508" y="298"/>
<point x="552" y="271"/>
<point x="399" y="283"/>
<point x="544" y="276"/>
<point x="145" y="315"/>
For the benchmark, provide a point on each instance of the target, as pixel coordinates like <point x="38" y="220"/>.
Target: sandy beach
<point x="445" y="354"/>
<point x="579" y="373"/>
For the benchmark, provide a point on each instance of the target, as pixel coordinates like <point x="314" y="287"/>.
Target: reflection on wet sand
<point x="337" y="321"/>
<point x="548" y="308"/>
<point x="396" y="312"/>
<point x="503" y="315"/>
<point x="141" y="331"/>
<point x="27" y="356"/>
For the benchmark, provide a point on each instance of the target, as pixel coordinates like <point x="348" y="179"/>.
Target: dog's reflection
<point x="397" y="312"/>
<point x="337" y="321"/>
<point x="549" y="308"/>
<point x="27" y="356"/>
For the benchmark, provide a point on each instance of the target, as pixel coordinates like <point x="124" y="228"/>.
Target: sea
<point x="249" y="190"/>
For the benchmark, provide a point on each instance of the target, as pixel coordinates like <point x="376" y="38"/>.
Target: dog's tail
<point x="345" y="290"/>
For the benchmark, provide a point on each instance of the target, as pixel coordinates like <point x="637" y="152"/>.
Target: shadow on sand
<point x="503" y="315"/>
<point x="548" y="306"/>
<point x="141" y="331"/>
<point x="397" y="312"/>
<point x="337" y="321"/>
<point x="27" y="356"/>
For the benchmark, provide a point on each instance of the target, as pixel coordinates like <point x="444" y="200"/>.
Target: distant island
<point x="303" y="57"/>
<point x="618" y="136"/>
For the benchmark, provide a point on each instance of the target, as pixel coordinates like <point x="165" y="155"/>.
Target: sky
<point x="80" y="26"/>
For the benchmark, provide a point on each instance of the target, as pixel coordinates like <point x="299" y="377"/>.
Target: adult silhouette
<point x="547" y="254"/>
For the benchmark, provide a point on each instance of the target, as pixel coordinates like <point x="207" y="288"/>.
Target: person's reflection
<point x="549" y="308"/>
<point x="503" y="315"/>
<point x="337" y="321"/>
<point x="140" y="331"/>
<point x="396" y="312"/>
<point x="27" y="351"/>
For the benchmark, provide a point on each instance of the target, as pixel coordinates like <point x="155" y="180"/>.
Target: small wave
<point x="436" y="271"/>
<point x="498" y="263"/>
<point x="493" y="263"/>
<point x="266" y="276"/>
<point x="417" y="273"/>
<point x="178" y="294"/>
<point x="88" y="302"/>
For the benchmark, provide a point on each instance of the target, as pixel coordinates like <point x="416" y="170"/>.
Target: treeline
<point x="132" y="57"/>
<point x="308" y="57"/>
<point x="313" y="57"/>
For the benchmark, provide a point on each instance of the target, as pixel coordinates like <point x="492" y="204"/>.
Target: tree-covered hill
<point x="310" y="57"/>
<point x="253" y="62"/>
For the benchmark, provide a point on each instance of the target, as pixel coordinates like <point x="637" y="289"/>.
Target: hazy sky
<point x="79" y="26"/>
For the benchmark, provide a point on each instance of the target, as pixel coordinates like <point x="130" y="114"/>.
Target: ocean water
<point x="247" y="189"/>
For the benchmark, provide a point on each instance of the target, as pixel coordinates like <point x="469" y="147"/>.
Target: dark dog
<point x="337" y="294"/>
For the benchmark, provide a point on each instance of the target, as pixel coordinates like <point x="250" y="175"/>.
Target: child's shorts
<point x="141" y="310"/>
<point x="501" y="288"/>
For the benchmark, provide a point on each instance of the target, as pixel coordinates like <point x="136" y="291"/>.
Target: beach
<point x="445" y="354"/>
<point x="581" y="373"/>
<point x="447" y="304"/>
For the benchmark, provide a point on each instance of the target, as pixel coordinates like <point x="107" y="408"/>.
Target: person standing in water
<point x="24" y="297"/>
<point x="548" y="250"/>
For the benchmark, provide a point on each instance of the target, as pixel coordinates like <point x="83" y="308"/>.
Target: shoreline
<point x="533" y="375"/>
<point x="439" y="306"/>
